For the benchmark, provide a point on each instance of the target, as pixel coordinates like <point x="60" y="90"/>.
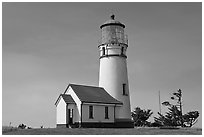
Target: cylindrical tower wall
<point x="113" y="78"/>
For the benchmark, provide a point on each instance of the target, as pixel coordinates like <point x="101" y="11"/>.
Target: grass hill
<point x="102" y="131"/>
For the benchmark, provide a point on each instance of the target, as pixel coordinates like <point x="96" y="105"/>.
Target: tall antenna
<point x="159" y="103"/>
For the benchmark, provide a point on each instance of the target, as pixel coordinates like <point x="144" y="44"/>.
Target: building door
<point x="70" y="117"/>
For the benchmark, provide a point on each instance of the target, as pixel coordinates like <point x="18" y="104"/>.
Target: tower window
<point x="106" y="113"/>
<point x="103" y="50"/>
<point x="91" y="112"/>
<point x="124" y="89"/>
<point x="122" y="50"/>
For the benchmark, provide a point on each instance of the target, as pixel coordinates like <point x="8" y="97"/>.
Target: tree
<point x="170" y="119"/>
<point x="140" y="116"/>
<point x="177" y="97"/>
<point x="174" y="116"/>
<point x="190" y="118"/>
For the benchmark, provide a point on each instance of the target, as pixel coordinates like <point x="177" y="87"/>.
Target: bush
<point x="22" y="126"/>
<point x="140" y="117"/>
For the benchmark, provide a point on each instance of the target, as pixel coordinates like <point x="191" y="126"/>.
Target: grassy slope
<point x="101" y="131"/>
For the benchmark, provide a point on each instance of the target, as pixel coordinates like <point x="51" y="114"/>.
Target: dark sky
<point x="46" y="46"/>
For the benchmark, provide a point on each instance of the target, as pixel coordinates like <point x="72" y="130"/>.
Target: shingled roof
<point x="91" y="94"/>
<point x="67" y="98"/>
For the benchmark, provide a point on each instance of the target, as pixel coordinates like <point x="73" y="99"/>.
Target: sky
<point x="46" y="46"/>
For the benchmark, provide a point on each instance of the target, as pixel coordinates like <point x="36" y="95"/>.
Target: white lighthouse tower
<point x="113" y="75"/>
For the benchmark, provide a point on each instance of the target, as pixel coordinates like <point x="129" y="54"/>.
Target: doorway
<point x="69" y="117"/>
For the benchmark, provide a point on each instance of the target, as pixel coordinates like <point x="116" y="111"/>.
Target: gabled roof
<point x="91" y="94"/>
<point x="66" y="98"/>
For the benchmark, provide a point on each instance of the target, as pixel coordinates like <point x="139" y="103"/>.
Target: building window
<point x="106" y="113"/>
<point x="103" y="50"/>
<point x="122" y="51"/>
<point x="91" y="112"/>
<point x="71" y="113"/>
<point x="124" y="89"/>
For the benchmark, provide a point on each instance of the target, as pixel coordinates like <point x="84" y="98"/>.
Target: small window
<point x="106" y="113"/>
<point x="122" y="51"/>
<point x="124" y="89"/>
<point x="71" y="113"/>
<point x="91" y="112"/>
<point x="103" y="50"/>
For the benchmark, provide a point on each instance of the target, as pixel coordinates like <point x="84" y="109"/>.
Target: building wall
<point x="61" y="112"/>
<point x="77" y="109"/>
<point x="98" y="113"/>
<point x="112" y="76"/>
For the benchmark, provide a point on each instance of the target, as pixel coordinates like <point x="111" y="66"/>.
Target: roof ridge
<point x="85" y="85"/>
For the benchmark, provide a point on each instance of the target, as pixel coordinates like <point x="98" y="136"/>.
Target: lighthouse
<point x="107" y="105"/>
<point x="113" y="76"/>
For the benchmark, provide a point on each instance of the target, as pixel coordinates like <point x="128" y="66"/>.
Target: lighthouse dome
<point x="112" y="21"/>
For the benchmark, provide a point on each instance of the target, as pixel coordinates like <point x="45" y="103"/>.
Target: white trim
<point x="58" y="100"/>
<point x="101" y="104"/>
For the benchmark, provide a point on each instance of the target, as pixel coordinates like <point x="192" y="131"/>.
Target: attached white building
<point x="86" y="106"/>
